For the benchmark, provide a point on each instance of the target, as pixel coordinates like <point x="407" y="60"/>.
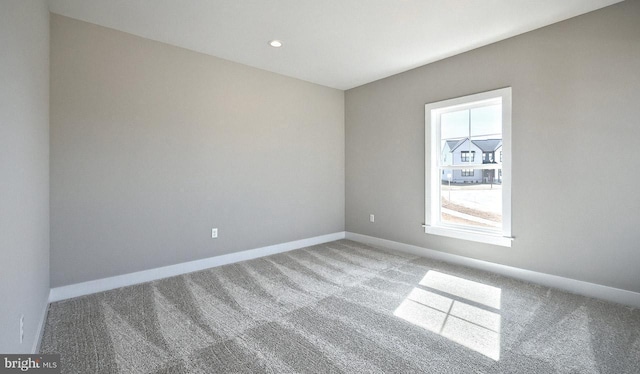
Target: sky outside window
<point x="486" y="123"/>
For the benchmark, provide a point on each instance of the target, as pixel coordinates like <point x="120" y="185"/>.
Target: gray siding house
<point x="472" y="152"/>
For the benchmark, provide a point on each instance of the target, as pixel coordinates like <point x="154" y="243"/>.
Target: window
<point x="474" y="201"/>
<point x="465" y="156"/>
<point x="487" y="157"/>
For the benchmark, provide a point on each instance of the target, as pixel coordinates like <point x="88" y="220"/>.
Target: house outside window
<point x="469" y="197"/>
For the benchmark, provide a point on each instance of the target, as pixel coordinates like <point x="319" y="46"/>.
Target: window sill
<point x="473" y="236"/>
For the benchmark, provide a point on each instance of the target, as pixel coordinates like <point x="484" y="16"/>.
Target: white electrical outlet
<point x="372" y="218"/>
<point x="21" y="328"/>
<point x="214" y="233"/>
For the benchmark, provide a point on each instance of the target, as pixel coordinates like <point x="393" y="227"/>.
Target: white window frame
<point x="433" y="224"/>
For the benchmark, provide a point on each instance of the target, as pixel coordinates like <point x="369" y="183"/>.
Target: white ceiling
<point x="336" y="43"/>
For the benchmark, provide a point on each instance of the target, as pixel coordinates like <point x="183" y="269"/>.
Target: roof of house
<point x="486" y="145"/>
<point x="453" y="144"/>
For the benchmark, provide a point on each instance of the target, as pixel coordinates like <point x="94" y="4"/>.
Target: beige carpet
<point x="342" y="307"/>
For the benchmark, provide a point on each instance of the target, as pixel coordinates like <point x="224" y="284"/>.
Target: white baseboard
<point x="105" y="284"/>
<point x="40" y="330"/>
<point x="615" y="295"/>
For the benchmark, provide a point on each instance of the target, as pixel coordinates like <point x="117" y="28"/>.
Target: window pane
<point x="454" y="127"/>
<point x="472" y="198"/>
<point x="486" y="121"/>
<point x="471" y="135"/>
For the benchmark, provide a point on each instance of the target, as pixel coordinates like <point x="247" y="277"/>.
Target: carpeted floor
<point x="342" y="307"/>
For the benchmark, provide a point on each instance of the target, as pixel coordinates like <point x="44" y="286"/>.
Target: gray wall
<point x="576" y="133"/>
<point x="24" y="170"/>
<point x="153" y="145"/>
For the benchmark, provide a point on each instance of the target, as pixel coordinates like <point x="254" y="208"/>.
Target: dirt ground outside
<point x="482" y="201"/>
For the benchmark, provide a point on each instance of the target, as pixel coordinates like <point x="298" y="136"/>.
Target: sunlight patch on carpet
<point x="469" y="317"/>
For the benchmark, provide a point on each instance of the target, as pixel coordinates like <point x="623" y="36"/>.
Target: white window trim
<point x="433" y="111"/>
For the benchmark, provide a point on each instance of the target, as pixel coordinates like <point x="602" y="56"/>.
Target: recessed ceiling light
<point x="275" y="43"/>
